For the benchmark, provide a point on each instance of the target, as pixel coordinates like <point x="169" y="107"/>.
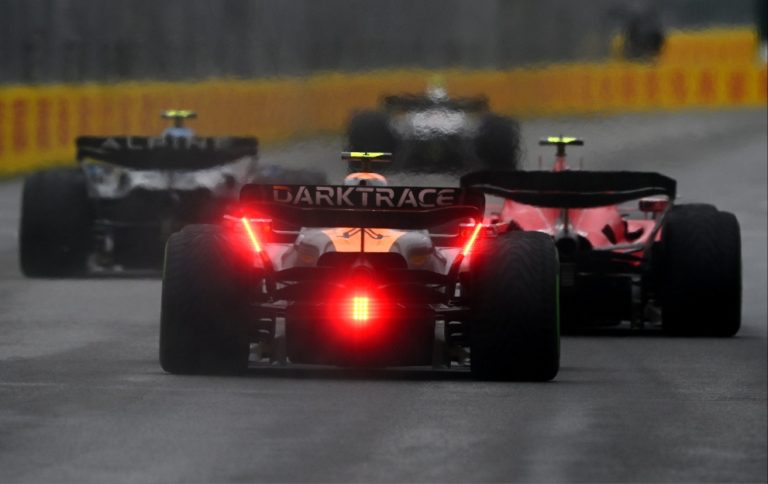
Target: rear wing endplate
<point x="571" y="189"/>
<point x="166" y="153"/>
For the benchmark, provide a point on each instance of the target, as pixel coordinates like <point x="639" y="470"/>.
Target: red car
<point x="627" y="251"/>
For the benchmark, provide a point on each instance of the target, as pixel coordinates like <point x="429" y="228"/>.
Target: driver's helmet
<point x="437" y="94"/>
<point x="178" y="130"/>
<point x="436" y="91"/>
<point x="365" y="179"/>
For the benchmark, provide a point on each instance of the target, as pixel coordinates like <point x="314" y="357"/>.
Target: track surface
<point x="82" y="397"/>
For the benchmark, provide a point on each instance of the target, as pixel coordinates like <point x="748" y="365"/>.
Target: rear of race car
<point x="627" y="252"/>
<point x="605" y="256"/>
<point x="356" y="276"/>
<point x="127" y="195"/>
<point x="360" y="280"/>
<point x="433" y="133"/>
<point x="144" y="189"/>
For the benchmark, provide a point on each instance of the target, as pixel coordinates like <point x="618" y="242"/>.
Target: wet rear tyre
<point x="55" y="226"/>
<point x="700" y="272"/>
<point x="205" y="305"/>
<point x="515" y="331"/>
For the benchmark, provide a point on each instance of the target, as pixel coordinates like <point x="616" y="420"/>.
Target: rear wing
<point x="165" y="153"/>
<point x="560" y="140"/>
<point x="178" y="114"/>
<point x="374" y="156"/>
<point x="408" y="208"/>
<point x="365" y="158"/>
<point x="571" y="189"/>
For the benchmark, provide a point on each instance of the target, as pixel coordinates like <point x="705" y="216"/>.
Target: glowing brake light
<point x="252" y="235"/>
<point x="360" y="309"/>
<point x="472" y="239"/>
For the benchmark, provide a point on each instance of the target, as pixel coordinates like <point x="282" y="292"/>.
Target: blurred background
<point x="280" y="69"/>
<point x="92" y="40"/>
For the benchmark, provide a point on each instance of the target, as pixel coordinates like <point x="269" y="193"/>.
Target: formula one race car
<point x="654" y="261"/>
<point x="360" y="274"/>
<point x="435" y="133"/>
<point x="126" y="196"/>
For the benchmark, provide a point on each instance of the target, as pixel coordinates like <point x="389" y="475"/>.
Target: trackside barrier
<point x="711" y="45"/>
<point x="730" y="45"/>
<point x="38" y="124"/>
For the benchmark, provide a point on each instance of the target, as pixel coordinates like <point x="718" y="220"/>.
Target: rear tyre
<point x="515" y="331"/>
<point x="55" y="227"/>
<point x="205" y="306"/>
<point x="700" y="272"/>
<point x="498" y="142"/>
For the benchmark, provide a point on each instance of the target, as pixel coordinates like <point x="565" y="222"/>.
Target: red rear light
<point x="358" y="304"/>
<point x="470" y="233"/>
<point x="252" y="235"/>
<point x="473" y="235"/>
<point x="361" y="311"/>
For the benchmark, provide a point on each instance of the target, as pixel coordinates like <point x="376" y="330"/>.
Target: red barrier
<point x="63" y="135"/>
<point x="737" y="87"/>
<point x="43" y="124"/>
<point x="2" y="128"/>
<point x="706" y="93"/>
<point x="19" y="115"/>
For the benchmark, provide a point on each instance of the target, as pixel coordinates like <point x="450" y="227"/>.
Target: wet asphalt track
<point x="82" y="397"/>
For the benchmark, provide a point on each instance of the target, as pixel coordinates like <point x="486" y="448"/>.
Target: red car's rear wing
<point x="570" y="189"/>
<point x="166" y="153"/>
<point x="409" y="208"/>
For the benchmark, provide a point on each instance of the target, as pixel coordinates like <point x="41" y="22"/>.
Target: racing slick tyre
<point x="515" y="331"/>
<point x="700" y="272"/>
<point x="498" y="142"/>
<point x="370" y="131"/>
<point x="55" y="227"/>
<point x="204" y="311"/>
